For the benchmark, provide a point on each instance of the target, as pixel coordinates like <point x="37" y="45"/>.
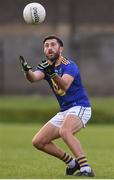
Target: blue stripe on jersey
<point x="76" y="94"/>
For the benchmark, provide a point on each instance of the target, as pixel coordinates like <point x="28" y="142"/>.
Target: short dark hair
<point x="54" y="37"/>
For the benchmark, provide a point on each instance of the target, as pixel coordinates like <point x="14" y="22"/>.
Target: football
<point x="34" y="13"/>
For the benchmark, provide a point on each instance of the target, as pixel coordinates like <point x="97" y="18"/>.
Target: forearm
<point x="60" y="82"/>
<point x="30" y="75"/>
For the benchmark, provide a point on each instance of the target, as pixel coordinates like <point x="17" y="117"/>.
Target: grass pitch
<point x="24" y="109"/>
<point x="18" y="159"/>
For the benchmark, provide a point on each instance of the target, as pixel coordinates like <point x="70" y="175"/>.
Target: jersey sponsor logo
<point x="57" y="90"/>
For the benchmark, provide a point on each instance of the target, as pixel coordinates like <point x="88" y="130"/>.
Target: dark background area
<point x="87" y="29"/>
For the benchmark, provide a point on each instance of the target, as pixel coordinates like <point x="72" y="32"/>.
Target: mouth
<point x="52" y="56"/>
<point x="50" y="52"/>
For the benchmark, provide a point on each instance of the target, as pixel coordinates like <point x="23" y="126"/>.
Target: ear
<point x="61" y="49"/>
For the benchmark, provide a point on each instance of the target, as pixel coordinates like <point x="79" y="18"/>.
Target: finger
<point x="22" y="60"/>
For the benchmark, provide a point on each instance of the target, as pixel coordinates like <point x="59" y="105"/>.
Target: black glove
<point x="24" y="64"/>
<point x="47" y="68"/>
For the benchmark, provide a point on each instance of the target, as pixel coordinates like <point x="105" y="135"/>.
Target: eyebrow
<point x="50" y="43"/>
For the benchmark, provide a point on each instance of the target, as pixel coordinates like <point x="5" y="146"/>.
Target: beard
<point x="53" y="57"/>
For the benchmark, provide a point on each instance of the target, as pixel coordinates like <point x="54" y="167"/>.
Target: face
<point x="52" y="49"/>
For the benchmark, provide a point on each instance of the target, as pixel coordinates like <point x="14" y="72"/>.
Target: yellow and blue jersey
<point x="76" y="94"/>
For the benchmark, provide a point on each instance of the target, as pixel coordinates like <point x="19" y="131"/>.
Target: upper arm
<point x="69" y="74"/>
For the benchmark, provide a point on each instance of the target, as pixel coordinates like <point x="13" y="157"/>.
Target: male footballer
<point x="63" y="76"/>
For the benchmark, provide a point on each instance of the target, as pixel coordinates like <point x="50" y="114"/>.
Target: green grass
<point x="103" y="111"/>
<point x="27" y="102"/>
<point x="27" y="108"/>
<point x="18" y="159"/>
<point x="33" y="109"/>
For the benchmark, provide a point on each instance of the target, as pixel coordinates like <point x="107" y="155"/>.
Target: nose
<point x="50" y="50"/>
<point x="49" y="47"/>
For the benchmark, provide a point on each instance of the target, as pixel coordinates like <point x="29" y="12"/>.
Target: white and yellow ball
<point x="34" y="13"/>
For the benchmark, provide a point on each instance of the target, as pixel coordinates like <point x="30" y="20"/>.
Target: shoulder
<point x="65" y="61"/>
<point x="69" y="63"/>
<point x="70" y="67"/>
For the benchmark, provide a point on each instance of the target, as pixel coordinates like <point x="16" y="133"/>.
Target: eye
<point x="46" y="45"/>
<point x="52" y="44"/>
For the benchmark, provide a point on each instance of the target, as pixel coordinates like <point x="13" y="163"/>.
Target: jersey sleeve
<point x="71" y="69"/>
<point x="38" y="69"/>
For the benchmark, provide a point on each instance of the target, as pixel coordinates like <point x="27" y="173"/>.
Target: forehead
<point x="48" y="41"/>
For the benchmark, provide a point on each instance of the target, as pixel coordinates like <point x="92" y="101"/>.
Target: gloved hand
<point x="24" y="64"/>
<point x="47" y="68"/>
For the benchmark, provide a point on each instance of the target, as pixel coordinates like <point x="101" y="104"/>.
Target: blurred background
<point x="87" y="29"/>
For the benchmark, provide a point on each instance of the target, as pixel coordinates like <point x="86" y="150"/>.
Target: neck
<point x="58" y="61"/>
